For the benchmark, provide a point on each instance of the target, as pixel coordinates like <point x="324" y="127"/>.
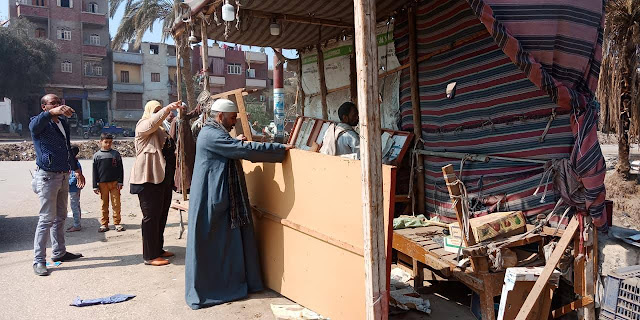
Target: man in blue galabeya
<point x="221" y="263"/>
<point x="54" y="159"/>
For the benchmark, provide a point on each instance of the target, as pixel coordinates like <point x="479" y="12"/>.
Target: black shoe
<point x="68" y="256"/>
<point x="40" y="269"/>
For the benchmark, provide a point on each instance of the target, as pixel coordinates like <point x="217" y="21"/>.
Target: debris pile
<point x="403" y="295"/>
<point x="24" y="151"/>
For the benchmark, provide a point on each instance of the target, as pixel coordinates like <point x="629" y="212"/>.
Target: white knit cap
<point x="224" y="105"/>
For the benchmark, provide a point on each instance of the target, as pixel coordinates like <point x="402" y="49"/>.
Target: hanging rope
<point x="414" y="161"/>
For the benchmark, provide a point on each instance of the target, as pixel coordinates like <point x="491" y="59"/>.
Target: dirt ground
<point x="112" y="264"/>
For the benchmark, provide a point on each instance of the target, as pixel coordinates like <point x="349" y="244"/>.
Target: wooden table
<point x="425" y="252"/>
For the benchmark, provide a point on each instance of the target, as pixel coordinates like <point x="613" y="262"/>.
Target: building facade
<point x="139" y="76"/>
<point x="231" y="68"/>
<point x="80" y="31"/>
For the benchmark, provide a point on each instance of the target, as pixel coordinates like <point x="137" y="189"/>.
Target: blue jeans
<point x="52" y="188"/>
<point x="74" y="202"/>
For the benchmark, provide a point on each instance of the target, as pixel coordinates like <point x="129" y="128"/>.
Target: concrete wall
<point x="234" y="81"/>
<point x="155" y="63"/>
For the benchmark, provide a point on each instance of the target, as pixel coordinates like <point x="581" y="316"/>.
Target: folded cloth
<point x="420" y="220"/>
<point x="106" y="300"/>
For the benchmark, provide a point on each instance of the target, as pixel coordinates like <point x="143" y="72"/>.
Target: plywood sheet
<point x="321" y="193"/>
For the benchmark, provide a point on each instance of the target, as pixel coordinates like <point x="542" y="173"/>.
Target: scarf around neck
<point x="240" y="209"/>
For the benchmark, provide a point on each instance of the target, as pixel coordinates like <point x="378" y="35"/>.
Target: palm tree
<point x="139" y="16"/>
<point x="618" y="88"/>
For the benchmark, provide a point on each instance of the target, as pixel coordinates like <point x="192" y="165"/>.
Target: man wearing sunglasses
<point x="52" y="141"/>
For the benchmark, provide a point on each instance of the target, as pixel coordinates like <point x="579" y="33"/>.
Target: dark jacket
<point x="53" y="150"/>
<point x="107" y="167"/>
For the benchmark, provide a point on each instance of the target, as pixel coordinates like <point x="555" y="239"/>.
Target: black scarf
<point x="240" y="209"/>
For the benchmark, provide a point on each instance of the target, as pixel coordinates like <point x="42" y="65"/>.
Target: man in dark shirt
<point x="51" y="140"/>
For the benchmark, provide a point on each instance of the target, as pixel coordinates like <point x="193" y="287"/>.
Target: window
<point x="41" y="33"/>
<point x="39" y="3"/>
<point x="93" y="68"/>
<point x="124" y="76"/>
<point x="155" y="77"/>
<point x="66" y="66"/>
<point x="65" y="3"/>
<point x="251" y="73"/>
<point x="94" y="39"/>
<point x="234" y="68"/>
<point x="93" y="7"/>
<point x="154" y="49"/>
<point x="64" y="34"/>
<point x="129" y="101"/>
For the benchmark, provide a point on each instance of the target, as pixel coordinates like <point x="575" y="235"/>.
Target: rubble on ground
<point x="24" y="151"/>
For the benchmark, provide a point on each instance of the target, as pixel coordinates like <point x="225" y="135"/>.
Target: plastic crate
<point x="622" y="295"/>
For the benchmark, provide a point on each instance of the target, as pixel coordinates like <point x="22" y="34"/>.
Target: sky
<point x="155" y="36"/>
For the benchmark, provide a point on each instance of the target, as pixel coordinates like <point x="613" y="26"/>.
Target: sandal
<point x="119" y="227"/>
<point x="103" y="229"/>
<point x="73" y="229"/>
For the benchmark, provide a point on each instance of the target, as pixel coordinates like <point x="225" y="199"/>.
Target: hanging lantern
<point x="228" y="12"/>
<point x="274" y="28"/>
<point x="192" y="38"/>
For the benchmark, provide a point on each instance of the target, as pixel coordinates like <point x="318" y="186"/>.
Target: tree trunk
<point x="627" y="66"/>
<point x="187" y="76"/>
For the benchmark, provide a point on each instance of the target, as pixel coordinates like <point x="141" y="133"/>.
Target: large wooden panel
<point x="322" y="195"/>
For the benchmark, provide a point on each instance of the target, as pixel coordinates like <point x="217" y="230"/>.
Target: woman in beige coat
<point x="152" y="178"/>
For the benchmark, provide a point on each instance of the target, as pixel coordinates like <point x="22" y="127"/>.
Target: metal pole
<point x="278" y="97"/>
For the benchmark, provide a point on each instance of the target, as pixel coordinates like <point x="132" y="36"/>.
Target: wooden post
<point x="454" y="192"/>
<point x="376" y="299"/>
<point x="205" y="54"/>
<point x="415" y="105"/>
<point x="540" y="284"/>
<point x="246" y="126"/>
<point x="302" y="98"/>
<point x="323" y="83"/>
<point x="353" y="79"/>
<point x="181" y="121"/>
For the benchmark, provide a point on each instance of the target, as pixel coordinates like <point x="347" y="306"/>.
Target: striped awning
<point x="256" y="16"/>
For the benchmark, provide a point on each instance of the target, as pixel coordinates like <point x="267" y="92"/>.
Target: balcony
<point x="37" y="12"/>
<point x="99" y="19"/>
<point x="216" y="51"/>
<point x="127" y="115"/>
<point x="256" y="83"/>
<point x="128" y="87"/>
<point x="127" y="57"/>
<point x="95" y="82"/>
<point x="216" y="81"/>
<point x="93" y="50"/>
<point x="173" y="88"/>
<point x="255" y="57"/>
<point x="171" y="61"/>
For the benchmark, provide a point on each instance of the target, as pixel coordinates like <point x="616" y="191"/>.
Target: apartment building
<point x="139" y="76"/>
<point x="231" y="68"/>
<point x="150" y="74"/>
<point x="80" y="31"/>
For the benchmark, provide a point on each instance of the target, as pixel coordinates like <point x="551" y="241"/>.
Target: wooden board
<point x="320" y="193"/>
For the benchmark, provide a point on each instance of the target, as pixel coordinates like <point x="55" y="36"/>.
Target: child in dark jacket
<point x="108" y="175"/>
<point x="74" y="196"/>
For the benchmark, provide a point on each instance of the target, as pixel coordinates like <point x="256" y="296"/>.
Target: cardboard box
<point x="493" y="225"/>
<point x="452" y="244"/>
